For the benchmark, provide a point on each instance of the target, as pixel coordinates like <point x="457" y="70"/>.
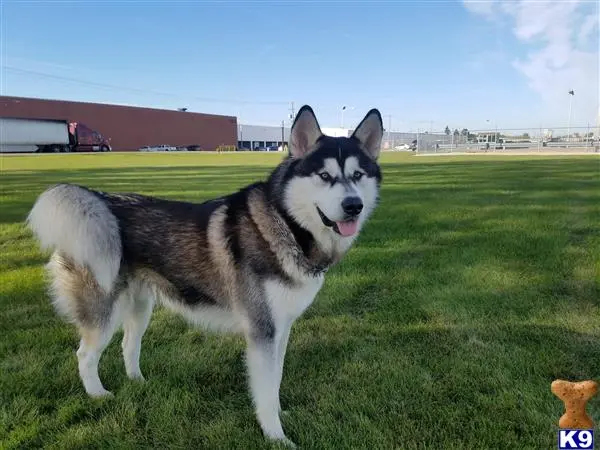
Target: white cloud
<point x="482" y="61"/>
<point x="485" y="8"/>
<point x="590" y="24"/>
<point x="561" y="42"/>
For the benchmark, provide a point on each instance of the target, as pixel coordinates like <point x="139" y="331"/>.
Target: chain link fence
<point x="586" y="139"/>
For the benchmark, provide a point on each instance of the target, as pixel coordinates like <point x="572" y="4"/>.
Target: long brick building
<point x="130" y="128"/>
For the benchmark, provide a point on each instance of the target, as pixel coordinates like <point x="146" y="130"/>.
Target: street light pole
<point x="572" y="94"/>
<point x="390" y="130"/>
<point x="496" y="136"/>
<point x="495" y="133"/>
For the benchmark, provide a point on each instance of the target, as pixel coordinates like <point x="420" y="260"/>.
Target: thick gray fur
<point x="250" y="262"/>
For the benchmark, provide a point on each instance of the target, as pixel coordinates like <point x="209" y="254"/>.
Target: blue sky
<point x="427" y="64"/>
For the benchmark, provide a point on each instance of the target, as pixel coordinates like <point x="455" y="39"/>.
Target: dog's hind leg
<point x="77" y="295"/>
<point x="135" y="323"/>
<point x="93" y="343"/>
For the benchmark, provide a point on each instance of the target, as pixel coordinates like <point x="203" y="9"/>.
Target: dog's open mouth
<point x="343" y="228"/>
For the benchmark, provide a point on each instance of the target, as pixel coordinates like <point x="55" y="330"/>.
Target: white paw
<point x="100" y="393"/>
<point x="288" y="443"/>
<point x="137" y="376"/>
<point x="284" y="442"/>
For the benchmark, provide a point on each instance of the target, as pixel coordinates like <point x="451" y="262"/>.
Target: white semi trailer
<point x="42" y="135"/>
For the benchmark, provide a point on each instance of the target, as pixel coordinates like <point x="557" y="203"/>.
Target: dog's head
<point x="332" y="183"/>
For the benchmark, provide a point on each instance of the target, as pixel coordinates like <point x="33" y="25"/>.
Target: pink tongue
<point x="347" y="228"/>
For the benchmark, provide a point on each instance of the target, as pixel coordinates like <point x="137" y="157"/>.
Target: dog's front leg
<point x="282" y="342"/>
<point x="265" y="377"/>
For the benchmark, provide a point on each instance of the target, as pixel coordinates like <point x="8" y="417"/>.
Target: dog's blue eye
<point x="325" y="176"/>
<point x="356" y="176"/>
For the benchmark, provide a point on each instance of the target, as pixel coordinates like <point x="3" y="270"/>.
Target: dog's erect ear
<point x="369" y="133"/>
<point x="304" y="133"/>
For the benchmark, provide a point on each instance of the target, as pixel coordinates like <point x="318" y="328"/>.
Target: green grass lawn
<point x="474" y="286"/>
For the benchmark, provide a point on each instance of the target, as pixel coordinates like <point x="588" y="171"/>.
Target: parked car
<point x="158" y="148"/>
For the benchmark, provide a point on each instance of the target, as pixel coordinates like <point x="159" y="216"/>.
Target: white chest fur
<point x="288" y="303"/>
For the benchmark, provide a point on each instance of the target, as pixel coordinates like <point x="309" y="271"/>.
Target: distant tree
<point x="464" y="132"/>
<point x="456" y="132"/>
<point x="447" y="131"/>
<point x="526" y="135"/>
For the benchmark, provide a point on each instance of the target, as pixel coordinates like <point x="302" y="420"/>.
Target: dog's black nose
<point x="352" y="206"/>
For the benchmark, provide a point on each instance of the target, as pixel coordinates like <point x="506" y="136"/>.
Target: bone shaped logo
<point x="575" y="397"/>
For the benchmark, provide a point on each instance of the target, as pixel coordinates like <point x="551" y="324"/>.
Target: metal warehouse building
<point x="257" y="137"/>
<point x="128" y="127"/>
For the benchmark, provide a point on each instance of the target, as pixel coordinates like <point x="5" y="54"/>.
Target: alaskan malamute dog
<point x="250" y="262"/>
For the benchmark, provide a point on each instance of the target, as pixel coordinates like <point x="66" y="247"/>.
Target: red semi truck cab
<point x="84" y="139"/>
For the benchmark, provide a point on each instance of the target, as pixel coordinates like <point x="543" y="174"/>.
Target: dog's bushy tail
<point x="75" y="222"/>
